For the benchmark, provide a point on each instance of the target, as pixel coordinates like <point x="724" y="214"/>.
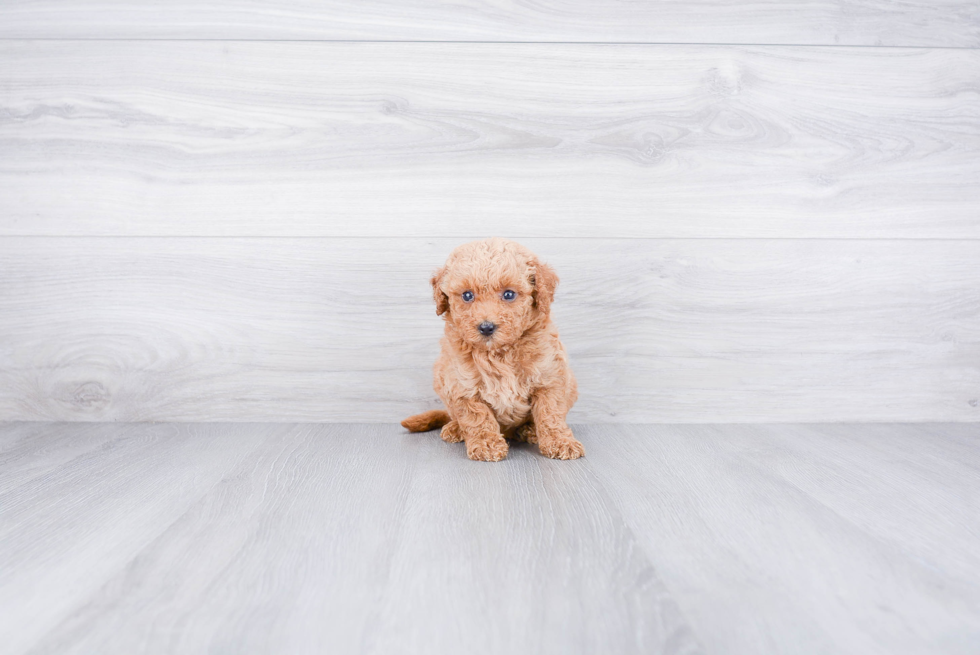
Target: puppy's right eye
<point x="467" y="296"/>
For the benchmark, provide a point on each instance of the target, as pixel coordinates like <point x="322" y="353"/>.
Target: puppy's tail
<point x="426" y="421"/>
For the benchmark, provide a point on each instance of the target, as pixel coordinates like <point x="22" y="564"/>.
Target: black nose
<point x="486" y="328"/>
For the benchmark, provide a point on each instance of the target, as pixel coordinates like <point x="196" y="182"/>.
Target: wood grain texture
<point x="365" y="539"/>
<point x="527" y="557"/>
<point x="286" y="553"/>
<point x="68" y="530"/>
<point x="460" y="140"/>
<point x="137" y="329"/>
<point x="352" y="539"/>
<point x="829" y="539"/>
<point x="32" y="450"/>
<point x="821" y="22"/>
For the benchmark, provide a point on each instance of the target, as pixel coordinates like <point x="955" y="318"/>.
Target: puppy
<point x="502" y="372"/>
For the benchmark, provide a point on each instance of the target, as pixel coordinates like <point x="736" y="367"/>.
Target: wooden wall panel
<point x="198" y="329"/>
<point x="817" y="22"/>
<point x="461" y="140"/>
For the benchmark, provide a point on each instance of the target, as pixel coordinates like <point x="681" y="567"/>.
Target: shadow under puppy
<point x="503" y="372"/>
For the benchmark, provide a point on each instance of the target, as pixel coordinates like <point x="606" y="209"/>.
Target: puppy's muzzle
<point x="486" y="328"/>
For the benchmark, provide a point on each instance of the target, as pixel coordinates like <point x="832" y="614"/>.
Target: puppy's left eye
<point x="509" y="295"/>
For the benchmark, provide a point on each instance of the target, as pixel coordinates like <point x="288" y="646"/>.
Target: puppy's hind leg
<point x="451" y="432"/>
<point x="526" y="433"/>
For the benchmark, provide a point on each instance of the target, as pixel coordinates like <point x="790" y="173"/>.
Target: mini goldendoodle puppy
<point x="502" y="373"/>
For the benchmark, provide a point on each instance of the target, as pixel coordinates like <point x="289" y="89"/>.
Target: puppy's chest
<point x="507" y="390"/>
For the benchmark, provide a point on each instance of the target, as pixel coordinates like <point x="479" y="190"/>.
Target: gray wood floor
<point x="191" y="538"/>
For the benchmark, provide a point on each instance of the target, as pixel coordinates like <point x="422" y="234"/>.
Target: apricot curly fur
<point x="450" y="433"/>
<point x="514" y="383"/>
<point x="426" y="421"/>
<point x="526" y="433"/>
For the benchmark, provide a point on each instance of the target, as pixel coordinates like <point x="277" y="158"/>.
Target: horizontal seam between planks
<point x="467" y="236"/>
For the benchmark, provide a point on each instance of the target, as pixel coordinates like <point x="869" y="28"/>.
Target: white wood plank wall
<point x="943" y="23"/>
<point x="229" y="210"/>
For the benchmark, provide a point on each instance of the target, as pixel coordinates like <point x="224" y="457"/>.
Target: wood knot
<point x="91" y="395"/>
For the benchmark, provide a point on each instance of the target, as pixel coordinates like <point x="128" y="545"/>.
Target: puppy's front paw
<point x="487" y="449"/>
<point x="450" y="432"/>
<point x="561" y="445"/>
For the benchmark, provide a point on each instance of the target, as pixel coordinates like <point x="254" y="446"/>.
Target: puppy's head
<point x="493" y="291"/>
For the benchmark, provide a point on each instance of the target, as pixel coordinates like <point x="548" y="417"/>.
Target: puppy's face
<point x="490" y="315"/>
<point x="493" y="291"/>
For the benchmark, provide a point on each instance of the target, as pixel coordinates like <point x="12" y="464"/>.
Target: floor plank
<point x="953" y="23"/>
<point x="134" y="329"/>
<point x="816" y="539"/>
<point x="463" y="140"/>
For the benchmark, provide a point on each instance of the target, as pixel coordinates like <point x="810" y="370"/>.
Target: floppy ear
<point x="442" y="300"/>
<point x="544" y="280"/>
